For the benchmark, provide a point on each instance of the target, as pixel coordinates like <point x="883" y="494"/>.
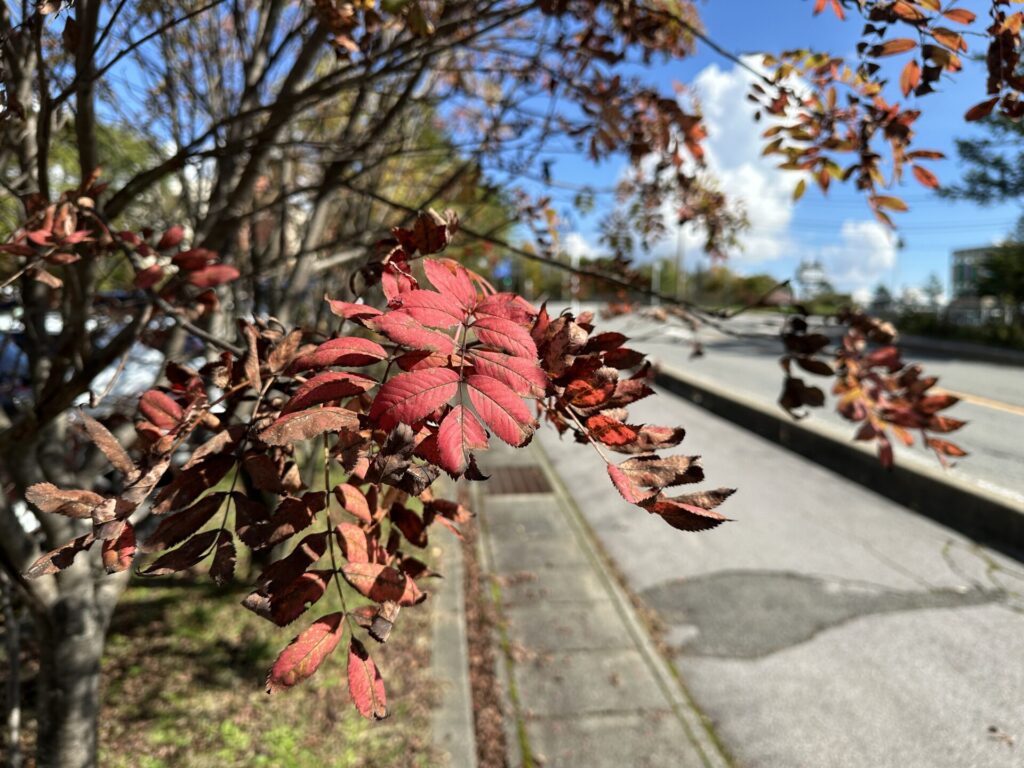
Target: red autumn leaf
<point x="306" y="652"/>
<point x="593" y="390"/>
<point x="523" y="376"/>
<point x="357" y="546"/>
<point x="431" y="308"/>
<point x="193" y="259"/>
<point x="501" y="409"/>
<point x="409" y="397"/>
<point x="382" y="582"/>
<point x="684" y="516"/>
<point x="365" y="684"/>
<point x="706" y="499"/>
<point x="185" y="556"/>
<point x="925" y="177"/>
<point x="451" y="279"/>
<point x="161" y="409"/>
<point x="118" y="553"/>
<point x="410" y="524"/>
<point x="192" y="483"/>
<point x="353" y="500"/>
<point x="505" y="335"/>
<point x="325" y="387"/>
<point x="49" y="498"/>
<point x="627" y="488"/>
<point x="285" y="606"/>
<point x="171" y="238"/>
<point x="611" y="432"/>
<point x="604" y="342"/>
<point x="213" y="275"/>
<point x="175" y="528"/>
<point x="406" y="330"/>
<point x="945" y="447"/>
<point x="347" y="350"/>
<point x="60" y="558"/>
<point x="662" y="471"/>
<point x="359" y="313"/>
<point x="508" y="306"/>
<point x="149" y="277"/>
<point x="459" y="434"/>
<point x="308" y="424"/>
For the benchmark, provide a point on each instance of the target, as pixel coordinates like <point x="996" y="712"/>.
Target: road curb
<point x="988" y="518"/>
<point x="452" y="720"/>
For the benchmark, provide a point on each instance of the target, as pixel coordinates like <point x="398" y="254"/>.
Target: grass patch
<point x="183" y="688"/>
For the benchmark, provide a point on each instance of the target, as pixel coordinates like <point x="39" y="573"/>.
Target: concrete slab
<point x="651" y="740"/>
<point x="551" y="627"/>
<point x="587" y="682"/>
<point x="511" y="555"/>
<point x="552" y="586"/>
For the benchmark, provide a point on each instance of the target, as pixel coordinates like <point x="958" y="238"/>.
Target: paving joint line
<point x="682" y="705"/>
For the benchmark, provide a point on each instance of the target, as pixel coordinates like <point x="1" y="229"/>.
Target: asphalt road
<point x="826" y="627"/>
<point x="992" y="395"/>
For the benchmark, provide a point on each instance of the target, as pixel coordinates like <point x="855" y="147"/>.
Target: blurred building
<point x="967" y="306"/>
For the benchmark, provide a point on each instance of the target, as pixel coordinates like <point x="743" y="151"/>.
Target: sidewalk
<point x="586" y="687"/>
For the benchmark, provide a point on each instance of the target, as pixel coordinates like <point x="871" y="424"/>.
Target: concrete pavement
<point x="585" y="685"/>
<point x="827" y="626"/>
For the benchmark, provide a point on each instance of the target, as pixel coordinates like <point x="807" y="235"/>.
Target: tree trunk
<point x="72" y="636"/>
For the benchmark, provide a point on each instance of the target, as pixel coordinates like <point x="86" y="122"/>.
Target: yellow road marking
<point x="986" y="402"/>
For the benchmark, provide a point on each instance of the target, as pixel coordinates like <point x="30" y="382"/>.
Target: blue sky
<point x="838" y="229"/>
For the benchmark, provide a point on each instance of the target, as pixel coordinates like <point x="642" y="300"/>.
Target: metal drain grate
<point x="507" y="481"/>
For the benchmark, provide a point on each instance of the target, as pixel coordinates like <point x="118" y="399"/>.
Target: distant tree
<point x="933" y="290"/>
<point x="881" y="300"/>
<point x="1002" y="276"/>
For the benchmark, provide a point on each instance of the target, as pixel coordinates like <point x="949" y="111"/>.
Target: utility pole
<point x="679" y="262"/>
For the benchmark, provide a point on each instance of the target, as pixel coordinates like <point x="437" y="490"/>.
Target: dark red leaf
<point x="213" y="275"/>
<point x="501" y="409"/>
<point x="118" y="553"/>
<point x="505" y="335"/>
<point x="522" y="375"/>
<point x="347" y="350"/>
<point x="459" y="434"/>
<point x="308" y="424"/>
<point x="409" y="397"/>
<point x="185" y="556"/>
<point x="432" y="309"/>
<point x="451" y="279"/>
<point x="406" y="330"/>
<point x="175" y="528"/>
<point x="160" y="409"/>
<point x="306" y="652"/>
<point x="325" y="387"/>
<point x="381" y="582"/>
<point x="365" y="684"/>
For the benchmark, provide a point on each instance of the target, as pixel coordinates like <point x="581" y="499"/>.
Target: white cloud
<point x="733" y="155"/>
<point x="576" y="245"/>
<point x="864" y="256"/>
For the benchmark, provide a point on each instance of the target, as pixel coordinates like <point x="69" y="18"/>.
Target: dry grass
<point x="183" y="687"/>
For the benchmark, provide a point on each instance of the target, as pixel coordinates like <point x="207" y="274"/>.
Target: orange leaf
<point x="959" y="15"/>
<point x="899" y="45"/>
<point x="925" y="177"/>
<point x="911" y="77"/>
